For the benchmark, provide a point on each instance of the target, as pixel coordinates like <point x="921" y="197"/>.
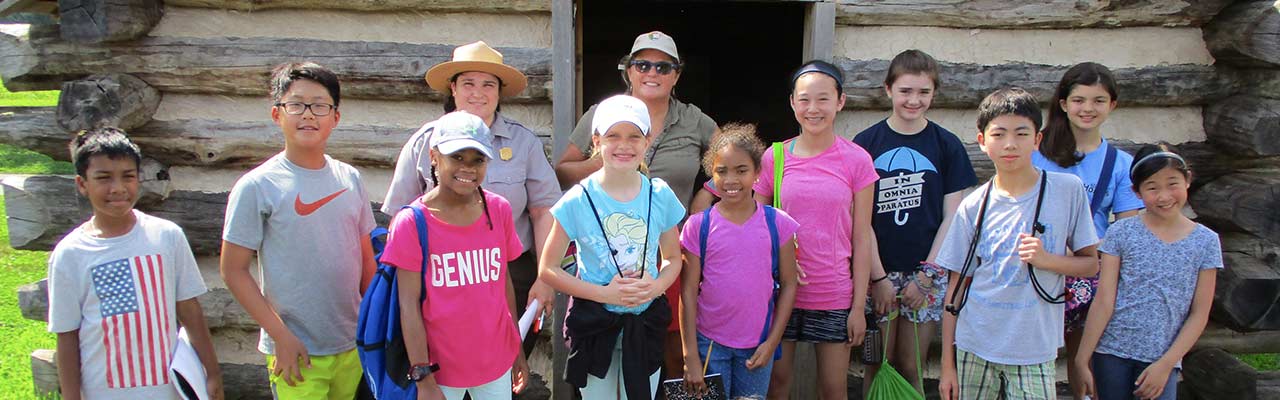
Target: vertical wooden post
<point x="564" y="116"/>
<point x="819" y="30"/>
<point x="563" y="79"/>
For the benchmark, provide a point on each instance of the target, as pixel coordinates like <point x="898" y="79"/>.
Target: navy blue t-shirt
<point x="916" y="172"/>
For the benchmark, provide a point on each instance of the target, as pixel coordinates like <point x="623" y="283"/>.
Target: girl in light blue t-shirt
<point x="620" y="220"/>
<point x="1073" y="144"/>
<point x="1156" y="288"/>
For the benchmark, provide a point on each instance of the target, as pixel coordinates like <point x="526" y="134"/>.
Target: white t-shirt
<point x="121" y="294"/>
<point x="1004" y="320"/>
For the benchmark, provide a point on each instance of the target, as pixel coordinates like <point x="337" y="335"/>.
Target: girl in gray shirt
<point x="1156" y="287"/>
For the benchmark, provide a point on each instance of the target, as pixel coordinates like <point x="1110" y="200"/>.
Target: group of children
<point x="808" y="241"/>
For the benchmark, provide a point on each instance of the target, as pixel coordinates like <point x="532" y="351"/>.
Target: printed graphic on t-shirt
<point x="134" y="320"/>
<point x="1002" y="244"/>
<point x="464" y="268"/>
<point x="900" y="193"/>
<point x="305" y="209"/>
<point x="626" y="236"/>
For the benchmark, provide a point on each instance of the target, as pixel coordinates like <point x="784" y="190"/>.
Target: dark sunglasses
<point x="664" y="67"/>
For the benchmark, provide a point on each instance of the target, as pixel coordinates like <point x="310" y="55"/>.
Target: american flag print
<point x="135" y="320"/>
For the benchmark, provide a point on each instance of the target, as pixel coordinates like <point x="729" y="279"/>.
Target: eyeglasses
<point x="317" y="109"/>
<point x="664" y="67"/>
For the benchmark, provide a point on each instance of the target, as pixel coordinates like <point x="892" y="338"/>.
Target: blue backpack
<point x="378" y="338"/>
<point x="770" y="217"/>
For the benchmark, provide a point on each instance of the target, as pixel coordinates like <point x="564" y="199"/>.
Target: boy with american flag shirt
<point x="121" y="284"/>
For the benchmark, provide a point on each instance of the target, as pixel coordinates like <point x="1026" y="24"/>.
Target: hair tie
<point x="823" y="68"/>
<point x="1158" y="154"/>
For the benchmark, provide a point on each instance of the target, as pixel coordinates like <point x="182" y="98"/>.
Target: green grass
<point x="20" y="336"/>
<point x="16" y="160"/>
<point x="1261" y="362"/>
<point x="46" y="98"/>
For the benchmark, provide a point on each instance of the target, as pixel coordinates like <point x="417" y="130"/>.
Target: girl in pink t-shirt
<point x="827" y="187"/>
<point x="731" y="317"/>
<point x="461" y="337"/>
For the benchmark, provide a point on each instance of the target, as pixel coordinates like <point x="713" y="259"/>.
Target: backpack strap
<point x="770" y="217"/>
<point x="702" y="241"/>
<point x="1104" y="180"/>
<point x="779" y="157"/>
<point x="420" y="222"/>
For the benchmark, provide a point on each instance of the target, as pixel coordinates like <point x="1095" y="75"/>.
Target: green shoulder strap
<point x="779" y="156"/>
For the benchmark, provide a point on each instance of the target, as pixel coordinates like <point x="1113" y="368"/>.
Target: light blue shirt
<point x="624" y="230"/>
<point x="1119" y="196"/>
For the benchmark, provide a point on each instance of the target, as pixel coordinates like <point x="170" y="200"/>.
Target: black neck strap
<point x="613" y="253"/>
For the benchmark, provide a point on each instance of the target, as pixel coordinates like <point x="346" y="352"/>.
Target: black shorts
<point x="817" y="326"/>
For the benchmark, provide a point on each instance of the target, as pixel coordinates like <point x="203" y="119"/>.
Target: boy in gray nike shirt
<point x="308" y="218"/>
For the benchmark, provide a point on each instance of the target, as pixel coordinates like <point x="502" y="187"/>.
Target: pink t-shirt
<point x="737" y="275"/>
<point x="818" y="192"/>
<point x="470" y="331"/>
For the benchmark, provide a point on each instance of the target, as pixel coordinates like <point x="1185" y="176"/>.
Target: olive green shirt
<point x="676" y="156"/>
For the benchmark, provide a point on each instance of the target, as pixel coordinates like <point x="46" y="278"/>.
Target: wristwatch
<point x="418" y="372"/>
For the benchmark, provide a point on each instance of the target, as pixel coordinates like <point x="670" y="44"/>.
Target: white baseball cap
<point x="461" y="130"/>
<point x="658" y="41"/>
<point x="618" y="109"/>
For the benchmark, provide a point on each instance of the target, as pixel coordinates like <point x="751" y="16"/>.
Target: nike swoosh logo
<point x="305" y="209"/>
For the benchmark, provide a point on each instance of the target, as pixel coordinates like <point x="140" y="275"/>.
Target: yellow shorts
<point x="331" y="377"/>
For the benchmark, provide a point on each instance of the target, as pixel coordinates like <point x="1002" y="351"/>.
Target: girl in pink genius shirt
<point x="461" y="337"/>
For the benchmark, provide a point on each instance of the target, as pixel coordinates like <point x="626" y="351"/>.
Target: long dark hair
<point x="1059" y="143"/>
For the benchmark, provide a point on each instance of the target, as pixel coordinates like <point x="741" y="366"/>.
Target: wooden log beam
<point x="239" y="381"/>
<point x="1247" y="297"/>
<point x="1244" y="125"/>
<point x="1244" y="201"/>
<point x="241" y="66"/>
<point x="42" y="209"/>
<point x="117" y="100"/>
<point x="1252" y="246"/>
<point x="34" y="128"/>
<point x="215" y="142"/>
<point x="1246" y="34"/>
<point x="965" y="85"/>
<point x="1213" y="374"/>
<point x="1207" y="162"/>
<point x="222" y="143"/>
<point x="488" y="6"/>
<point x="1028" y="15"/>
<point x="96" y="21"/>
<point x="1216" y="336"/>
<point x="44" y="373"/>
<point x="221" y="311"/>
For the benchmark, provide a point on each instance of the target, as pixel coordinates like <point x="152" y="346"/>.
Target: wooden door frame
<point x="566" y="106"/>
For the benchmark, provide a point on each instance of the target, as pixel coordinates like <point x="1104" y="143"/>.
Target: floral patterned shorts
<point x="932" y="310"/>
<point x="1079" y="295"/>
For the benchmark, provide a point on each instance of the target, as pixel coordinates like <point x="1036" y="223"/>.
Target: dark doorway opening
<point x="738" y="55"/>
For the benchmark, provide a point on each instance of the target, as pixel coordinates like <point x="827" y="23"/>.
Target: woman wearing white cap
<point x="681" y="133"/>
<point x="620" y="219"/>
<point x="474" y="81"/>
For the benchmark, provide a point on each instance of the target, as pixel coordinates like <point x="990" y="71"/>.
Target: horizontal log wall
<point x="1028" y="15"/>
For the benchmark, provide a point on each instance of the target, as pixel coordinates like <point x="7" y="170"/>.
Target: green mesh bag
<point x="888" y="384"/>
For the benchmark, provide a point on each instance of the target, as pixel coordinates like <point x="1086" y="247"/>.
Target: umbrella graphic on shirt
<point x="906" y="161"/>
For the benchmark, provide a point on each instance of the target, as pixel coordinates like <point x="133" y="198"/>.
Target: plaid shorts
<point x="982" y="379"/>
